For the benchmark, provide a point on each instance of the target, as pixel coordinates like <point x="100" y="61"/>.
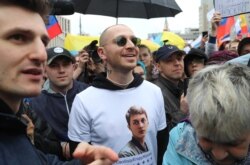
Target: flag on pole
<point x="237" y="27"/>
<point x="224" y="29"/>
<point x="53" y="27"/>
<point x="243" y="24"/>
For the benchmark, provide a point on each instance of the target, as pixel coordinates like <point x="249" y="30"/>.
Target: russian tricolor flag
<point x="53" y="27"/>
<point x="224" y="28"/>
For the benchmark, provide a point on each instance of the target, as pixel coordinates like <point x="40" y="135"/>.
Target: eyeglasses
<point x="122" y="41"/>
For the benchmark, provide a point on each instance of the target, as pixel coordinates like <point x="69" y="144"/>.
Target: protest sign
<point x="232" y="7"/>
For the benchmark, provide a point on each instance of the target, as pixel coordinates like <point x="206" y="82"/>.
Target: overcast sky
<point x="94" y="25"/>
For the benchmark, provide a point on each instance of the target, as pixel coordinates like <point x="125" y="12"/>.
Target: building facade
<point x="206" y="6"/>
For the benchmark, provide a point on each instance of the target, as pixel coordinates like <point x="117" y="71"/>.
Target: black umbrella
<point x="128" y="8"/>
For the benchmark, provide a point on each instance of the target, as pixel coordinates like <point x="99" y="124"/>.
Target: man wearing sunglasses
<point x="97" y="114"/>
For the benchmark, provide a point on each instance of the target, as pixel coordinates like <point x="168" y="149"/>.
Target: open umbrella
<point x="173" y="39"/>
<point x="150" y="44"/>
<point x="128" y="8"/>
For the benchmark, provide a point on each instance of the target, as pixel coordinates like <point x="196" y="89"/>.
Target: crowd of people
<point x="119" y="103"/>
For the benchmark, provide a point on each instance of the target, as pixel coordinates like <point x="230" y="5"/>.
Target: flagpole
<point x="117" y="11"/>
<point x="80" y="24"/>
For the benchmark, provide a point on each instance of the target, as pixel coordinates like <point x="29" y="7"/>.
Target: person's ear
<point x="75" y="65"/>
<point x="158" y="66"/>
<point x="102" y="53"/>
<point x="129" y="127"/>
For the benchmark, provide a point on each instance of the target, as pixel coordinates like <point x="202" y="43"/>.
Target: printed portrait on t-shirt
<point x="138" y="124"/>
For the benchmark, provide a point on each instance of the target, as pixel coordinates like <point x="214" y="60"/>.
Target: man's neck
<point x="62" y="90"/>
<point x="174" y="81"/>
<point x="13" y="102"/>
<point x="120" y="79"/>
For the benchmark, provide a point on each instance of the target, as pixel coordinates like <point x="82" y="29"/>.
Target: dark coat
<point x="171" y="94"/>
<point x="54" y="108"/>
<point x="15" y="146"/>
<point x="50" y="114"/>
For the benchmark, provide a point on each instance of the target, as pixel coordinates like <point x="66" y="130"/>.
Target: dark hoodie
<point x="50" y="114"/>
<point x="15" y="146"/>
<point x="102" y="82"/>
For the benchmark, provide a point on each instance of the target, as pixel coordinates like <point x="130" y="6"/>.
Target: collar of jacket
<point x="10" y="122"/>
<point x="176" y="90"/>
<point x="101" y="82"/>
<point x="187" y="145"/>
<point x="138" y="144"/>
<point x="46" y="89"/>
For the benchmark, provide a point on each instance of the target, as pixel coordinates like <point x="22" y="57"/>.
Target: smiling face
<point x="226" y="153"/>
<point x="119" y="58"/>
<point x="23" y="38"/>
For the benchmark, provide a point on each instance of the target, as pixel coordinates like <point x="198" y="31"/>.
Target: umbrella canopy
<point x="75" y="43"/>
<point x="128" y="8"/>
<point x="173" y="39"/>
<point x="150" y="44"/>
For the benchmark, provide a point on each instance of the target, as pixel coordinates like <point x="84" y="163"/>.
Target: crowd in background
<point x="171" y="106"/>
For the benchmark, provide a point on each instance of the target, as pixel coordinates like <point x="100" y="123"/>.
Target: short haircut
<point x="104" y="36"/>
<point x="135" y="111"/>
<point x="42" y="7"/>
<point x="242" y="44"/>
<point x="218" y="98"/>
<point x="144" y="46"/>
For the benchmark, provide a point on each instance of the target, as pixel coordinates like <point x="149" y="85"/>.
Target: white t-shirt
<point x="98" y="116"/>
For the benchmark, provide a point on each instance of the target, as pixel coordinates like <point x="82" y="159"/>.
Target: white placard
<point x="210" y="15"/>
<point x="141" y="159"/>
<point x="232" y="7"/>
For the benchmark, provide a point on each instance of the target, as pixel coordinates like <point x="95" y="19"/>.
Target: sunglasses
<point x="122" y="41"/>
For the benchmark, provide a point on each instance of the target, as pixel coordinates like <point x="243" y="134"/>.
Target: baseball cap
<point x="195" y="53"/>
<point x="55" y="52"/>
<point x="166" y="51"/>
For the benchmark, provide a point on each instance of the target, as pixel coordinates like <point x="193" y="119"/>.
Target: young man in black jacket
<point x="52" y="107"/>
<point x="23" y="38"/>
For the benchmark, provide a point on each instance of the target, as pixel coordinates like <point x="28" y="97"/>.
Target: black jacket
<point x="15" y="146"/>
<point x="54" y="108"/>
<point x="171" y="94"/>
<point x="50" y="113"/>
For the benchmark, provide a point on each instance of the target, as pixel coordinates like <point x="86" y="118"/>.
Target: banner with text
<point x="229" y="8"/>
